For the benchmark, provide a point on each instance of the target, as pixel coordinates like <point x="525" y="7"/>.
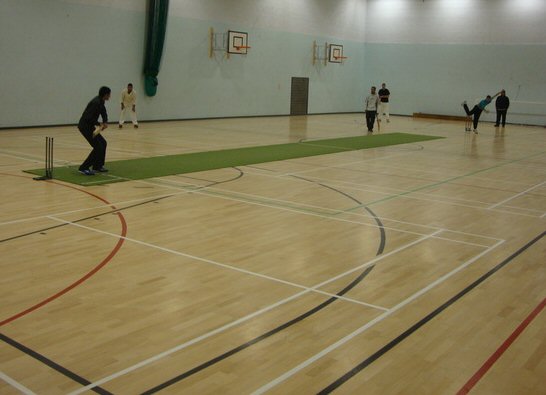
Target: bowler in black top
<point x="384" y="94"/>
<point x="501" y="104"/>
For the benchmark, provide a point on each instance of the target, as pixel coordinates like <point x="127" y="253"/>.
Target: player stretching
<point x="478" y="109"/>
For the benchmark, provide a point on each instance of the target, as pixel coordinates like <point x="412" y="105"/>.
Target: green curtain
<point x="155" y="37"/>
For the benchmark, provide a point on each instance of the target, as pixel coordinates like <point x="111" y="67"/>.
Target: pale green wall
<point x="56" y="55"/>
<point x="194" y="86"/>
<point x="434" y="78"/>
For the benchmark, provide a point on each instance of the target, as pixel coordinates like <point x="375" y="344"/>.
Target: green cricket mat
<point x="160" y="166"/>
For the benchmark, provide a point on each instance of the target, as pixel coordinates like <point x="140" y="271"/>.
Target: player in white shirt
<point x="128" y="102"/>
<point x="371" y="105"/>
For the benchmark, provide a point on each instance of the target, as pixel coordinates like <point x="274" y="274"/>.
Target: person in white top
<point x="371" y="105"/>
<point x="128" y="102"/>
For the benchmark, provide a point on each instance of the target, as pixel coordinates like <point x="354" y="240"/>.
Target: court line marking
<point x="243" y="319"/>
<point x="340" y="165"/>
<point x="204" y="191"/>
<point x="517" y="195"/>
<point x="446" y="170"/>
<point x="222" y="265"/>
<point x="88" y="274"/>
<point x="476" y="377"/>
<point x="40" y="160"/>
<point x="208" y="193"/>
<point x="369" y="188"/>
<point x="296" y="210"/>
<point x="404" y="194"/>
<point x="370" y="324"/>
<point x="446" y="180"/>
<point x="15" y="384"/>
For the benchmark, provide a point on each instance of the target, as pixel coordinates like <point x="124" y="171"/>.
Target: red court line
<point x="88" y="275"/>
<point x="497" y="354"/>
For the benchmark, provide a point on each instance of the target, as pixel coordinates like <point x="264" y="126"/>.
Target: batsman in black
<point x="88" y="121"/>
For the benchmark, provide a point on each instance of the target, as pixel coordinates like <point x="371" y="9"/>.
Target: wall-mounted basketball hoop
<point x="237" y="42"/>
<point x="336" y="54"/>
<point x="228" y="43"/>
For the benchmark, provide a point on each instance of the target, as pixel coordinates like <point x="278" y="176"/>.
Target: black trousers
<point x="476" y="111"/>
<point x="97" y="155"/>
<point x="501" y="114"/>
<point x="370" y="119"/>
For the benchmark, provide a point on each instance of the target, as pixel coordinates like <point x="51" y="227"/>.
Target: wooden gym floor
<point x="411" y="269"/>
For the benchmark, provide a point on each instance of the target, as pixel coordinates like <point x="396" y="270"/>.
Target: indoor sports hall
<point x="250" y="231"/>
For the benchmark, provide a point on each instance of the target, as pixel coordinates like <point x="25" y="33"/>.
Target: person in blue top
<point x="478" y="109"/>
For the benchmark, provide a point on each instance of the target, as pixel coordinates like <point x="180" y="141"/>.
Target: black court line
<point x="381" y="247"/>
<point x="382" y="351"/>
<point x="64" y="371"/>
<point x="212" y="183"/>
<point x="48" y="361"/>
<point x="84" y="219"/>
<point x="279" y="328"/>
<point x="272" y="332"/>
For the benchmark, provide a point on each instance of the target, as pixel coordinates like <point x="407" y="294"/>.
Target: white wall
<point x="57" y="53"/>
<point x="506" y="22"/>
<point x="434" y="54"/>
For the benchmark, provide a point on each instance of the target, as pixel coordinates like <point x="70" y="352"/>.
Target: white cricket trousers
<point x="383" y="109"/>
<point x="122" y="115"/>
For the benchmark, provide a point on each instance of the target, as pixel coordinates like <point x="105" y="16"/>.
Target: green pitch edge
<point x="160" y="166"/>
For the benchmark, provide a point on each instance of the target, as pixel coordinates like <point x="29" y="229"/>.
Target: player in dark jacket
<point x="88" y="121"/>
<point x="501" y="104"/>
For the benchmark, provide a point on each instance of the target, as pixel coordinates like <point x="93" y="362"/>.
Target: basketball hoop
<point x="239" y="47"/>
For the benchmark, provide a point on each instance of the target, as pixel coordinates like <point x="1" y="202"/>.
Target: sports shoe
<point x="476" y="131"/>
<point x="102" y="170"/>
<point x="136" y="126"/>
<point x="120" y="125"/>
<point x="87" y="172"/>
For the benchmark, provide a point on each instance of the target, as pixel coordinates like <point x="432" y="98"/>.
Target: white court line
<point x="407" y="194"/>
<point x="222" y="265"/>
<point x="302" y="211"/>
<point x="22" y="158"/>
<point x="370" y="324"/>
<point x="102" y="206"/>
<point x="203" y="191"/>
<point x="15" y="384"/>
<point x="515" y="196"/>
<point x="239" y="321"/>
<point x="368" y="188"/>
<point x="320" y="167"/>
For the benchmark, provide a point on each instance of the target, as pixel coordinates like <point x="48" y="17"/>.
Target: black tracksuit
<point x="86" y="126"/>
<point x="501" y="104"/>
